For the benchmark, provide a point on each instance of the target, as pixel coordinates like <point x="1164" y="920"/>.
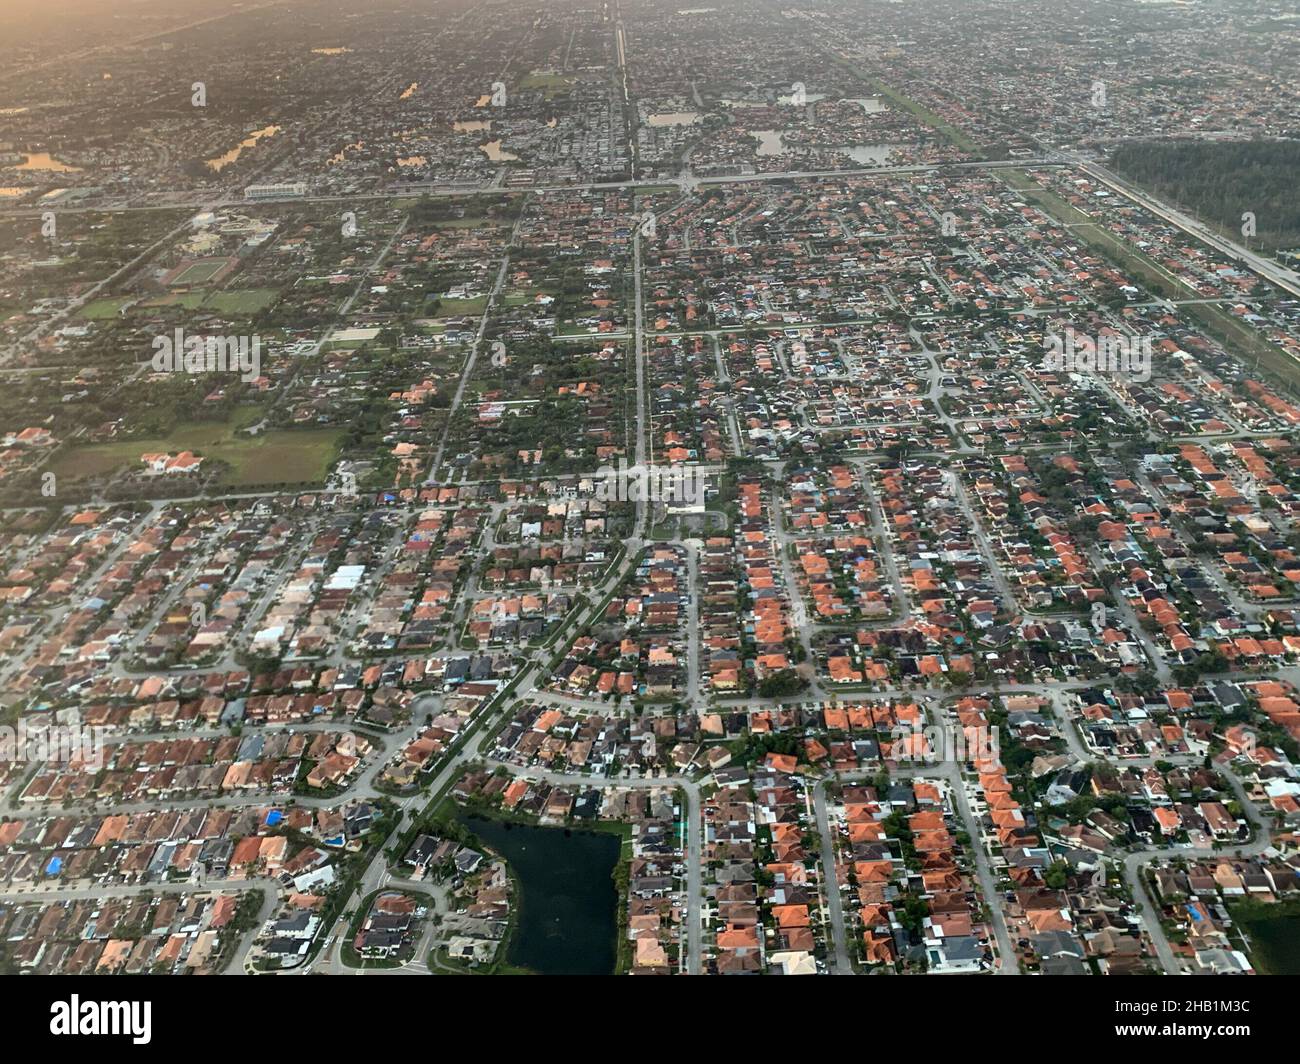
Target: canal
<point x="568" y="915"/>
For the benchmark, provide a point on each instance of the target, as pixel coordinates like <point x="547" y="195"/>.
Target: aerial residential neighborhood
<point x="599" y="487"/>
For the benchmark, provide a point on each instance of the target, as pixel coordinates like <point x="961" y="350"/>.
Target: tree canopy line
<point x="1220" y="180"/>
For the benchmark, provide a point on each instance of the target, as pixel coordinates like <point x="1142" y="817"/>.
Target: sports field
<point x="241" y="300"/>
<point x="200" y="272"/>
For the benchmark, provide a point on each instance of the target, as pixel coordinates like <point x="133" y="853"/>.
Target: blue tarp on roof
<point x="274" y="817"/>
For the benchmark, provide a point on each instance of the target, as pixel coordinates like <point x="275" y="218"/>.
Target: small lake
<point x="44" y="161"/>
<point x="568" y="915"/>
<point x="222" y="161"/>
<point x="342" y="154"/>
<point x="869" y="154"/>
<point x="493" y="150"/>
<point x="770" y="141"/>
<point x="871" y="104"/>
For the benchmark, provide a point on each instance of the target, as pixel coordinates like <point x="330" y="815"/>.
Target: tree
<point x="1057" y="875"/>
<point x="783" y="682"/>
<point x="1077" y="808"/>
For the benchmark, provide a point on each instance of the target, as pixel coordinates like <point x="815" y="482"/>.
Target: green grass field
<point x="519" y="297"/>
<point x="200" y="272"/>
<point x="241" y="300"/>
<point x="186" y="300"/>
<point x="274" y="456"/>
<point x="102" y="309"/>
<point x="456" y="307"/>
<point x="475" y="222"/>
<point x="550" y="84"/>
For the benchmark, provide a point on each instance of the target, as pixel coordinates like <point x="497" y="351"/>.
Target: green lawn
<point x="100" y="309"/>
<point x="550" y="84"/>
<point x="468" y="222"/>
<point x="187" y="300"/>
<point x="242" y="300"/>
<point x="519" y="297"/>
<point x="270" y="457"/>
<point x="449" y="307"/>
